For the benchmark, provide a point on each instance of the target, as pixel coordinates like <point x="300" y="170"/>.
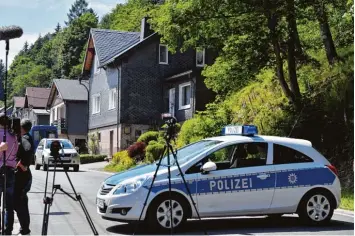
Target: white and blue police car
<point x="237" y="174"/>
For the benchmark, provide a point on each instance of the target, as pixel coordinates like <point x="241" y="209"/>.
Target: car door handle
<point x="263" y="176"/>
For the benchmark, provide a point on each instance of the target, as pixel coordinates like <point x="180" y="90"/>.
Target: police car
<point x="239" y="173"/>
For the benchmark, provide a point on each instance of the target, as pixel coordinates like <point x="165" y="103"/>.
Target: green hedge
<point x="89" y="158"/>
<point x="153" y="151"/>
<point x="120" y="162"/>
<point x="148" y="136"/>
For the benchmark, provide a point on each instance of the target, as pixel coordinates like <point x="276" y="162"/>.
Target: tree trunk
<point x="325" y="32"/>
<point x="272" y="22"/>
<point x="299" y="53"/>
<point x="291" y="61"/>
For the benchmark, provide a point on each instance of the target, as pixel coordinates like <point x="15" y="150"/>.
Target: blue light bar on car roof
<point x="247" y="130"/>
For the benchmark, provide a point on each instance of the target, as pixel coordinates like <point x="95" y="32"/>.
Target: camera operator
<point x="23" y="177"/>
<point x="11" y="147"/>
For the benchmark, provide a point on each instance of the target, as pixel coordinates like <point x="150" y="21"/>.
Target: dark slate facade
<point x="141" y="82"/>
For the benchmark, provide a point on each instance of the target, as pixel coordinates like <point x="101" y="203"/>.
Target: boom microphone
<point x="10" y="32"/>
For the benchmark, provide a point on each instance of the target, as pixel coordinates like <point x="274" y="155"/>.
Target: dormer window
<point x="163" y="54"/>
<point x="200" y="58"/>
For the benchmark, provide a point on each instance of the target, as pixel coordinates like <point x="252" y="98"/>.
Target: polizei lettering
<point x="230" y="184"/>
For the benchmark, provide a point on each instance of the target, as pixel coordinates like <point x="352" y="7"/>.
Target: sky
<point x="37" y="17"/>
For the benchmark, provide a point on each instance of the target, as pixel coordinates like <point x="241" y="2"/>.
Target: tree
<point x="71" y="43"/>
<point x="77" y="9"/>
<point x="128" y="16"/>
<point x="322" y="17"/>
<point x="25" y="47"/>
<point x="57" y="28"/>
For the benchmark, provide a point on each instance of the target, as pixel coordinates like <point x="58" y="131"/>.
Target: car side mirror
<point x="208" y="167"/>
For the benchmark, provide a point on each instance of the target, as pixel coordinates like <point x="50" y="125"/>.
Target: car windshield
<point x="66" y="144"/>
<point x="188" y="152"/>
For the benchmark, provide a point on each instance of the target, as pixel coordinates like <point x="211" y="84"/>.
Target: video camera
<point x="55" y="147"/>
<point x="170" y="125"/>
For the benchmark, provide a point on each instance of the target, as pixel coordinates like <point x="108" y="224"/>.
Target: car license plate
<point x="100" y="203"/>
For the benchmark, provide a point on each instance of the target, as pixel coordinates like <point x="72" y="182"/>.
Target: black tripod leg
<point x="44" y="228"/>
<point x="186" y="185"/>
<point x="149" y="191"/>
<point x="7" y="46"/>
<point x="170" y="200"/>
<point x="78" y="197"/>
<point x="48" y="201"/>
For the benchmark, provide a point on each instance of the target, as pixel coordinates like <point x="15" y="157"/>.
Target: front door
<point x="242" y="183"/>
<point x="172" y="101"/>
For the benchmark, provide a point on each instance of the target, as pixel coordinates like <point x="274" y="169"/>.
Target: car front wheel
<point x="76" y="168"/>
<point x="37" y="166"/>
<point x="159" y="215"/>
<point x="316" y="208"/>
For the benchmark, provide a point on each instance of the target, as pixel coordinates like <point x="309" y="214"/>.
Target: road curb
<point x="344" y="212"/>
<point x="98" y="171"/>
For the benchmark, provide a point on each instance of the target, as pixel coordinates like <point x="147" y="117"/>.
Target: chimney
<point x="145" y="28"/>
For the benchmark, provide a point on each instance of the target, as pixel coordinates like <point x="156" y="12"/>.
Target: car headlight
<point x="129" y="187"/>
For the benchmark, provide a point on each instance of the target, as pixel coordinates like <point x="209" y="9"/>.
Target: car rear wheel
<point x="159" y="215"/>
<point x="76" y="168"/>
<point x="316" y="208"/>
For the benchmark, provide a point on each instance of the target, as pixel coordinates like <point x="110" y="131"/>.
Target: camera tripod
<point x="49" y="200"/>
<point x="168" y="148"/>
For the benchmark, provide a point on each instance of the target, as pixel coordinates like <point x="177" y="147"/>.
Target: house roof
<point x="36" y="97"/>
<point x="19" y="102"/>
<point x="71" y="89"/>
<point x="109" y="43"/>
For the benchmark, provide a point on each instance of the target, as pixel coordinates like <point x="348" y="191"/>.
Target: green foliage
<point x="153" y="151"/>
<point x="120" y="162"/>
<point x="128" y="16"/>
<point x="347" y="199"/>
<point x="93" y="144"/>
<point x="88" y="158"/>
<point x="204" y="124"/>
<point x="58" y="55"/>
<point x="79" y="8"/>
<point x="148" y="136"/>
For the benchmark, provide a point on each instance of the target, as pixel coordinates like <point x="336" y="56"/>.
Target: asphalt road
<point x="67" y="217"/>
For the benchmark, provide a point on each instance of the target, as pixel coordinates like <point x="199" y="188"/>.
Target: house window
<point x="163" y="54"/>
<point x="112" y="99"/>
<point x="95" y="103"/>
<point x="184" y="96"/>
<point x="96" y="64"/>
<point x="200" y="58"/>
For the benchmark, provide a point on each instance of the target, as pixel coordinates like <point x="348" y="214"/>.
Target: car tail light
<point x="333" y="169"/>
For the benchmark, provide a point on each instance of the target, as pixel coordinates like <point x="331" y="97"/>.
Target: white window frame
<point x="94" y="108"/>
<point x="203" y="57"/>
<point x="167" y="55"/>
<point x="181" y="86"/>
<point x="96" y="63"/>
<point x="112" y="98"/>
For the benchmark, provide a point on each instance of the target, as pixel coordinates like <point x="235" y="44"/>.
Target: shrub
<point x="136" y="150"/>
<point x="120" y="162"/>
<point x="87" y="158"/>
<point x="148" y="136"/>
<point x="153" y="152"/>
<point x="94" y="146"/>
